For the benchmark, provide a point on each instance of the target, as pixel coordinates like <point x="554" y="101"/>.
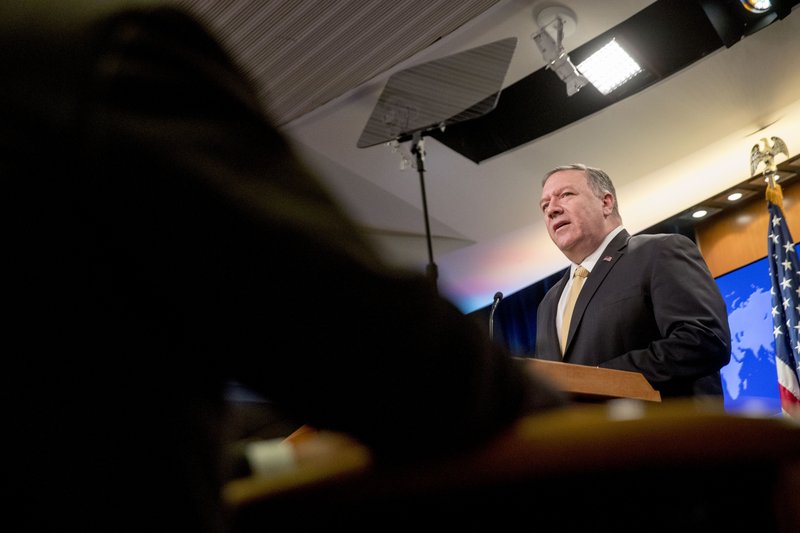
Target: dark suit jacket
<point x="162" y="241"/>
<point x="651" y="306"/>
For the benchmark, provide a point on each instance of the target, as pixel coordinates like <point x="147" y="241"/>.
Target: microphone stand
<point x="497" y="297"/>
<point x="418" y="150"/>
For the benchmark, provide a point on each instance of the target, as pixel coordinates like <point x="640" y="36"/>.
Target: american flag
<point x="784" y="274"/>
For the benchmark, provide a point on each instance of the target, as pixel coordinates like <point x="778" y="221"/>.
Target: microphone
<point x="497" y="297"/>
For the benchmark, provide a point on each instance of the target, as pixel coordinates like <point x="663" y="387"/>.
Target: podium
<point x="593" y="384"/>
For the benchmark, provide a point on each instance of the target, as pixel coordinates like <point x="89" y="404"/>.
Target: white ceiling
<point x="321" y="66"/>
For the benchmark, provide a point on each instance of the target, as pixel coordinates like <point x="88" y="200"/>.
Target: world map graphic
<point x="749" y="381"/>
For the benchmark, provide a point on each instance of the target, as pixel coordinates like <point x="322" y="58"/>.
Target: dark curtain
<point x="515" y="316"/>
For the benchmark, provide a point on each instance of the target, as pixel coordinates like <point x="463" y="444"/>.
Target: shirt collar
<point x="592" y="258"/>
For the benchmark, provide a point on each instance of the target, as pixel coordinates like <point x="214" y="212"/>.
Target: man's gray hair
<point x="598" y="181"/>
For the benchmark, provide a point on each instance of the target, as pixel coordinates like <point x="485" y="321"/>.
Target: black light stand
<point x="418" y="150"/>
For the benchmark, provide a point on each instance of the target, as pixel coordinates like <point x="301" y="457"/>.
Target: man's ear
<point x="608" y="204"/>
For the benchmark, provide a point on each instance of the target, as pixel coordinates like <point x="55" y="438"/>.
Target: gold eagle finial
<point x="766" y="154"/>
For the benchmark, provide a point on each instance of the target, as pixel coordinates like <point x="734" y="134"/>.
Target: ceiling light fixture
<point x="734" y="196"/>
<point x="757" y="6"/>
<point x="735" y="20"/>
<point x="699" y="212"/>
<point x="609" y="67"/>
<point x="560" y="19"/>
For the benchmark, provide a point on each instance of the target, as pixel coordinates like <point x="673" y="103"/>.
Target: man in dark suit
<point x="649" y="303"/>
<point x="163" y="241"/>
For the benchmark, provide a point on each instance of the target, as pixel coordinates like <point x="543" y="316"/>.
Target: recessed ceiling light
<point x="734" y="196"/>
<point x="700" y="213"/>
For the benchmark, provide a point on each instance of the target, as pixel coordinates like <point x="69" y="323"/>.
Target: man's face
<point x="576" y="218"/>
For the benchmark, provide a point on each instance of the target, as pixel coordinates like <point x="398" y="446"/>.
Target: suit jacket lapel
<point x="607" y="260"/>
<point x="552" y="350"/>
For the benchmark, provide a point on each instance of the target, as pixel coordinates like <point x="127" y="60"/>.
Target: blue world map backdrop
<point x="750" y="380"/>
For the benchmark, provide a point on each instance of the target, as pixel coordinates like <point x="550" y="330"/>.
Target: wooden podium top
<point x="591" y="383"/>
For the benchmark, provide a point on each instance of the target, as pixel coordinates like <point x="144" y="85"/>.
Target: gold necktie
<point x="579" y="277"/>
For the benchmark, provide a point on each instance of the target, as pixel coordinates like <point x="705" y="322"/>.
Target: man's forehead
<point x="563" y="180"/>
